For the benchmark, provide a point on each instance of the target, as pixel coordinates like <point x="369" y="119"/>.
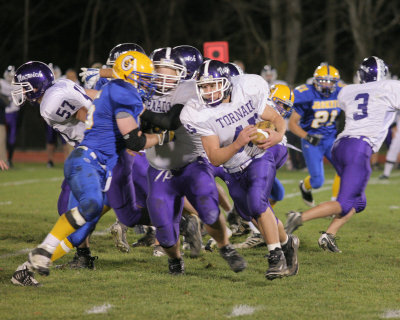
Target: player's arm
<point x="166" y="121"/>
<point x="92" y="94"/>
<point x="297" y="130"/>
<point x="275" y="136"/>
<point x="218" y="155"/>
<point x="135" y="140"/>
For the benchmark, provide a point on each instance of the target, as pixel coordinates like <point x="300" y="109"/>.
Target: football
<point x="261" y="134"/>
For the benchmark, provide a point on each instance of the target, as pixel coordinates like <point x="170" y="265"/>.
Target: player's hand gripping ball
<point x="262" y="135"/>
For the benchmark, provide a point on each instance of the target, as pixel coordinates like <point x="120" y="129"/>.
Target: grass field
<point x="363" y="282"/>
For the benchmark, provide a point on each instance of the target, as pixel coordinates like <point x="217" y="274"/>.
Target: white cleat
<point x="40" y="259"/>
<point x="118" y="231"/>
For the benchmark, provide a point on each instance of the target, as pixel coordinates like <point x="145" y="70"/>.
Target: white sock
<point x="388" y="168"/>
<point x="51" y="242"/>
<point x="253" y="228"/>
<point x="273" y="246"/>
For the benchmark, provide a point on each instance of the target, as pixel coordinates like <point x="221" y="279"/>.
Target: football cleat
<point x="235" y="260"/>
<point x="147" y="240"/>
<point x="277" y="265"/>
<point x="158" y="251"/>
<point x="118" y="231"/>
<point x="293" y="221"/>
<point x="327" y="242"/>
<point x="24" y="277"/>
<point x="290" y="250"/>
<point x="253" y="241"/>
<point x="190" y="225"/>
<point x="40" y="259"/>
<point x="80" y="261"/>
<point x="176" y="266"/>
<point x="383" y="177"/>
<point x="210" y="245"/>
<point x="306" y="195"/>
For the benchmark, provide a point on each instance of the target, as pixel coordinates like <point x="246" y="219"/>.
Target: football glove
<point x="90" y="76"/>
<point x="314" y="139"/>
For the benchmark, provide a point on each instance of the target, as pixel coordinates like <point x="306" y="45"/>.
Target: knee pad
<point x="82" y="233"/>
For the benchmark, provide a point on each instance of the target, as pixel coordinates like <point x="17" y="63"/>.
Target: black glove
<point x="314" y="139"/>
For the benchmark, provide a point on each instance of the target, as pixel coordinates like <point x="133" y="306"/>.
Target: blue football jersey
<point x="102" y="134"/>
<point x="318" y="113"/>
<point x="101" y="82"/>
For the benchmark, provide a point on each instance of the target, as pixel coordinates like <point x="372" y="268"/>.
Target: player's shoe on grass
<point x="158" y="251"/>
<point x="147" y="240"/>
<point x="80" y="261"/>
<point x="293" y="221"/>
<point x="253" y="241"/>
<point x="327" y="242"/>
<point x="118" y="231"/>
<point x="306" y="195"/>
<point x="277" y="265"/>
<point x="24" y="277"/>
<point x="383" y="177"/>
<point x="190" y="225"/>
<point x="290" y="250"/>
<point x="176" y="266"/>
<point x="210" y="245"/>
<point x="235" y="260"/>
<point x="40" y="259"/>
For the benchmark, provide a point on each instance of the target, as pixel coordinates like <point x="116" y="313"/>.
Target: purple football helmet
<point x="193" y="59"/>
<point x="120" y="49"/>
<point x="234" y="69"/>
<point x="173" y="69"/>
<point x="31" y="80"/>
<point x="213" y="82"/>
<point x="372" y="69"/>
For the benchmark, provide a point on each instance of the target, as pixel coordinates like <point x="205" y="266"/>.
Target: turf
<point x="360" y="283"/>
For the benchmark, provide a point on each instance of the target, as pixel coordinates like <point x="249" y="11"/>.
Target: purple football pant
<point x="351" y="159"/>
<point x="139" y="178"/>
<point x="251" y="188"/>
<point x="166" y="192"/>
<point x="11" y="122"/>
<point x="121" y="195"/>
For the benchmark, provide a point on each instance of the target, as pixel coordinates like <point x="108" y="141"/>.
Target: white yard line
<point x="100" y="309"/>
<point x="242" y="310"/>
<point x="30" y="181"/>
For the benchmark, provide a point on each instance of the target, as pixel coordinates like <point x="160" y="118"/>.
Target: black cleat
<point x="176" y="266"/>
<point x="277" y="265"/>
<point x="235" y="260"/>
<point x="327" y="242"/>
<point x="147" y="240"/>
<point x="306" y="195"/>
<point x="190" y="225"/>
<point x="24" y="277"/>
<point x="293" y="221"/>
<point x="80" y="261"/>
<point x="290" y="251"/>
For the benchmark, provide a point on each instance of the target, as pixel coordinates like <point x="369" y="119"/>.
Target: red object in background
<point x="217" y="50"/>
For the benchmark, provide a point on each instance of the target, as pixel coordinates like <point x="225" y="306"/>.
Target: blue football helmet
<point x="213" y="82"/>
<point x="31" y="80"/>
<point x="173" y="69"/>
<point x="372" y="69"/>
<point x="234" y="69"/>
<point x="120" y="49"/>
<point x="193" y="59"/>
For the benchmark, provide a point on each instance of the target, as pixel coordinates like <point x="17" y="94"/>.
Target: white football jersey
<point x="186" y="147"/>
<point x="59" y="103"/>
<point x="248" y="100"/>
<point x="370" y="109"/>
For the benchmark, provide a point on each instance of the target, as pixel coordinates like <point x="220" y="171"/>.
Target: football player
<point x="392" y="153"/>
<point x="224" y="116"/>
<point x="179" y="169"/>
<point x="35" y="81"/>
<point x="313" y="120"/>
<point x="370" y="108"/>
<point x="12" y="112"/>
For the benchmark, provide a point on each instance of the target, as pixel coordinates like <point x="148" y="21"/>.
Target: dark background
<point x="294" y="36"/>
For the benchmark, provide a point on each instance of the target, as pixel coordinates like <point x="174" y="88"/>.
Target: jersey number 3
<point x="362" y="111"/>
